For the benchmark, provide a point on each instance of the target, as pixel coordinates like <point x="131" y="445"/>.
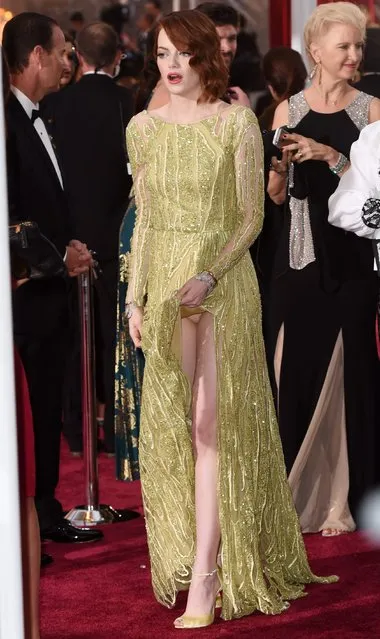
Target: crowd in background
<point x="108" y="74"/>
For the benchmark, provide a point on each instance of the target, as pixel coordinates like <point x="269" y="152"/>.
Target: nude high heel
<point x="205" y="620"/>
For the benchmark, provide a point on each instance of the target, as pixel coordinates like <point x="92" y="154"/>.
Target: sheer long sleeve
<point x="249" y="173"/>
<point x="139" y="260"/>
<point x="355" y="205"/>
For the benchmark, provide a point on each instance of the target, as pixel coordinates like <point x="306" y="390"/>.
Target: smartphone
<point x="278" y="138"/>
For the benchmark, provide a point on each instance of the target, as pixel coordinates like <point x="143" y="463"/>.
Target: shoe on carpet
<point x="46" y="559"/>
<point x="64" y="532"/>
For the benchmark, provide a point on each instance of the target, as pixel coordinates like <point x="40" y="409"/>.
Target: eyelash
<point x="185" y="53"/>
<point x="358" y="46"/>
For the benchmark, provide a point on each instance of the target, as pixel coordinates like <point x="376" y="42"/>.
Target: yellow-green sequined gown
<point x="199" y="193"/>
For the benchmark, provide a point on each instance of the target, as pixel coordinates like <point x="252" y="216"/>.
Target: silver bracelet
<point x="208" y="278"/>
<point x="129" y="308"/>
<point x="340" y="165"/>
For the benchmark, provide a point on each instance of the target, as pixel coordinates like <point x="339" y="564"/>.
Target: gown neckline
<point x="231" y="107"/>
<point x="348" y="106"/>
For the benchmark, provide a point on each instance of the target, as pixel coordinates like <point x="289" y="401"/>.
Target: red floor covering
<point x="102" y="590"/>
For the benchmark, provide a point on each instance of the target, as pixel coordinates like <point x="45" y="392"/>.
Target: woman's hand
<point x="193" y="293"/>
<point x="135" y="326"/>
<point x="18" y="283"/>
<point x="303" y="149"/>
<point x="281" y="167"/>
<point x="278" y="177"/>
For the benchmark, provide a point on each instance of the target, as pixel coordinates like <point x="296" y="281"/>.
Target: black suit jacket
<point x="35" y="193"/>
<point x="88" y="124"/>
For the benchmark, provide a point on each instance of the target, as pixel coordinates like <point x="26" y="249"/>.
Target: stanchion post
<point x="91" y="513"/>
<point x="88" y="395"/>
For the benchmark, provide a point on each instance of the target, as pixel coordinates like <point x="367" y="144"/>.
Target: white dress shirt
<point x="360" y="183"/>
<point x="100" y="72"/>
<point x="39" y="125"/>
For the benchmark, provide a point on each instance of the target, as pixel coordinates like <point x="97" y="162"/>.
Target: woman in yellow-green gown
<point x="199" y="194"/>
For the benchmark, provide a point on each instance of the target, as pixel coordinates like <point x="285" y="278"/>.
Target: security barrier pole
<point x="92" y="513"/>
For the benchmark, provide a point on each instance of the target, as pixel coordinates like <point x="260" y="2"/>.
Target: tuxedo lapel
<point x="33" y="139"/>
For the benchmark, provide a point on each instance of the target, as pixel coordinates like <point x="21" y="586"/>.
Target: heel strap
<point x="205" y="574"/>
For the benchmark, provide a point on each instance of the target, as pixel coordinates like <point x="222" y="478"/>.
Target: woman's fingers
<point x="292" y="147"/>
<point x="183" y="291"/>
<point x="135" y="327"/>
<point x="188" y="300"/>
<point x="135" y="337"/>
<point x="292" y="137"/>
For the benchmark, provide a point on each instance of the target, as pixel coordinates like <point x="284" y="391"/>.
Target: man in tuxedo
<point x="34" y="45"/>
<point x="89" y="130"/>
<point x="226" y="20"/>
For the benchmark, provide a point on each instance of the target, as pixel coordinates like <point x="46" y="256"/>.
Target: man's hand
<point x="237" y="96"/>
<point x="78" y="258"/>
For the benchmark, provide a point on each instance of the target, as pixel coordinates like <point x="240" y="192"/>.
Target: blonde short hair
<point x="327" y="15"/>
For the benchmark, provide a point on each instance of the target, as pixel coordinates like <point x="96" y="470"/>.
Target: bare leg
<point x="31" y="568"/>
<point x="203" y="589"/>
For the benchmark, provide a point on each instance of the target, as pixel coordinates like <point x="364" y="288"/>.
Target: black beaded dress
<point x="320" y="330"/>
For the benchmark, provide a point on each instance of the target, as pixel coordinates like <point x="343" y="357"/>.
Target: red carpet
<point x="102" y="590"/>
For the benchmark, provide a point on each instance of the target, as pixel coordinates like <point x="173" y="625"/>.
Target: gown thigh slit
<point x="209" y="222"/>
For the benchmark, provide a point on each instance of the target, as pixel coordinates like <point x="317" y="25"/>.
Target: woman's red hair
<point x="193" y="31"/>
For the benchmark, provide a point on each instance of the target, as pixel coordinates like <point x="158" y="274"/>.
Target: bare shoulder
<point x="374" y="110"/>
<point x="281" y="115"/>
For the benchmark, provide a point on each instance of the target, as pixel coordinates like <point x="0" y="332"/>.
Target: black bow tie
<point x="35" y="115"/>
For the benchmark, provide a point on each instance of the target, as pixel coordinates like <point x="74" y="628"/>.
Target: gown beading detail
<point x="199" y="194"/>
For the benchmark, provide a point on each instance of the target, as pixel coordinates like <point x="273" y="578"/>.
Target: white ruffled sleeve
<point x="355" y="205"/>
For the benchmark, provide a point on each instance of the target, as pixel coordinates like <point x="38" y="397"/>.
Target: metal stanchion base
<point x="86" y="516"/>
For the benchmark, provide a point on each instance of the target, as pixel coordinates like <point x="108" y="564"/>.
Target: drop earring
<point x="313" y="72"/>
<point x="320" y="74"/>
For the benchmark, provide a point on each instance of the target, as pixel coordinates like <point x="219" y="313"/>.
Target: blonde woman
<point x="323" y="294"/>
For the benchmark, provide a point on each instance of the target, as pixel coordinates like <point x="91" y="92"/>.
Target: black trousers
<point x="105" y="344"/>
<point x="43" y="358"/>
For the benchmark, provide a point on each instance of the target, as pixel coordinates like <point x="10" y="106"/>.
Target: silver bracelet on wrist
<point x="340" y="165"/>
<point x="129" y="308"/>
<point x="208" y="278"/>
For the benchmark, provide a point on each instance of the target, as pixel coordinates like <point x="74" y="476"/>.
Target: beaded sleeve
<point x="249" y="175"/>
<point x="139" y="261"/>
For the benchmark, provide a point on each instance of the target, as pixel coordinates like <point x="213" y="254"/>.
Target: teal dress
<point x="129" y="367"/>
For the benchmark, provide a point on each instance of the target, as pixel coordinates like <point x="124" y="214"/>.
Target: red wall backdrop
<point x="279" y="23"/>
<point x="280" y="19"/>
<point x="369" y="3"/>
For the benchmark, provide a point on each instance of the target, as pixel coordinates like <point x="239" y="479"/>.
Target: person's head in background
<point x="226" y="20"/>
<point x="34" y="46"/>
<point x="285" y="75"/>
<point x="71" y="62"/>
<point x="153" y="8"/>
<point x="76" y="22"/>
<point x="145" y="22"/>
<point x="131" y="66"/>
<point x="150" y="75"/>
<point x="98" y="48"/>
